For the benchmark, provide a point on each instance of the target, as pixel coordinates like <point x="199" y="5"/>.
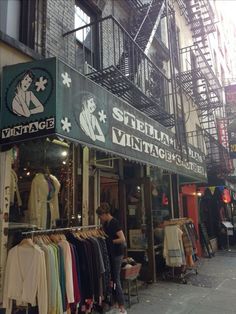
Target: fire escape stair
<point x="200" y="17"/>
<point x="147" y="18"/>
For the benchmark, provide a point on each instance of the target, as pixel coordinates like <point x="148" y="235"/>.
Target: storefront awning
<point x="48" y="97"/>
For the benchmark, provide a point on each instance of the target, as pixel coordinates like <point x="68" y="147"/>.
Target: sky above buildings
<point x="228" y="8"/>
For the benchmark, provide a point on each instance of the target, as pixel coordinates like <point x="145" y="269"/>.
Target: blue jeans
<point x="117" y="290"/>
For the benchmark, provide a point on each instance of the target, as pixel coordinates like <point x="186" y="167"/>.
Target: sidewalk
<point x="213" y="290"/>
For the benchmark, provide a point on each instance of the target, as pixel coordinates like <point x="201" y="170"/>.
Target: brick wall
<point x="60" y="19"/>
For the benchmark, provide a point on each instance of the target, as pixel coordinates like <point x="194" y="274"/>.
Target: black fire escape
<point x="124" y="69"/>
<point x="200" y="83"/>
<point x="145" y="20"/>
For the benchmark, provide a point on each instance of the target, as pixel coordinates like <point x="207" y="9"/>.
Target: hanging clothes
<point x="14" y="189"/>
<point x="15" y="198"/>
<point x="173" y="251"/>
<point x="59" y="274"/>
<point x="43" y="200"/>
<point x="25" y="278"/>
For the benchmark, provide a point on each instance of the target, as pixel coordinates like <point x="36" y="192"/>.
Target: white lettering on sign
<point x="124" y="139"/>
<point x="131" y="121"/>
<point x="32" y="127"/>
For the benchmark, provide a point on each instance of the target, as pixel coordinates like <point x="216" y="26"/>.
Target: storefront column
<point x="171" y="197"/>
<point x="149" y="231"/>
<point x="96" y="194"/>
<point x="5" y="174"/>
<point x="85" y="185"/>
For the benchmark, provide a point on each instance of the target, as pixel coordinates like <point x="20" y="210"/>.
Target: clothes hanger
<point x="77" y="234"/>
<point x="27" y="242"/>
<point x="54" y="238"/>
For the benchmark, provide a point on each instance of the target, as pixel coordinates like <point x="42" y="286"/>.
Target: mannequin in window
<point x="43" y="200"/>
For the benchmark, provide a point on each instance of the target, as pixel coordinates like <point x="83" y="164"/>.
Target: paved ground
<point x="213" y="290"/>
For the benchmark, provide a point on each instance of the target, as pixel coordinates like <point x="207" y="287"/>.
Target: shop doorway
<point x="140" y="225"/>
<point x="109" y="192"/>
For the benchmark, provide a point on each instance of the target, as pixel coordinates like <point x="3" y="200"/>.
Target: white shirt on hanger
<point x="25" y="278"/>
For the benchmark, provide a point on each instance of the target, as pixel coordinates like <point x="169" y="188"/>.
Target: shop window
<point x="136" y="218"/>
<point x="160" y="192"/>
<point x="17" y="19"/>
<point x="42" y="186"/>
<point x="102" y="160"/>
<point x="87" y="36"/>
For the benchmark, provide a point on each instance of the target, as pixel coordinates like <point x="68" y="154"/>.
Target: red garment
<point x="226" y="196"/>
<point x="77" y="295"/>
<point x="164" y="199"/>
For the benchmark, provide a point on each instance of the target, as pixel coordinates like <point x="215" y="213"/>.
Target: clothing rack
<point x="56" y="230"/>
<point x="172" y="275"/>
<point x="177" y="221"/>
<point x="26" y="235"/>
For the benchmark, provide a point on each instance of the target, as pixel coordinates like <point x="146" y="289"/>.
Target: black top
<point x="111" y="228"/>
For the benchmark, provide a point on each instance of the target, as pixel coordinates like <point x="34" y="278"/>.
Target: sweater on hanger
<point x="25" y="278"/>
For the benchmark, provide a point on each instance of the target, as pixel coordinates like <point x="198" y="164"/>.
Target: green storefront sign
<point x="48" y="97"/>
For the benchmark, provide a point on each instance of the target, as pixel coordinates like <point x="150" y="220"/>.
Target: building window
<point x="81" y="19"/>
<point x="17" y="19"/>
<point x="27" y="22"/>
<point x="86" y="37"/>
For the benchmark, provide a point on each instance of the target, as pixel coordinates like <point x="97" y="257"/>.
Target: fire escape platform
<point x="120" y="85"/>
<point x="206" y="99"/>
<point x="217" y="158"/>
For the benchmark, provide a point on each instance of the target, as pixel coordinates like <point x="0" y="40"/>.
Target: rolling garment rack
<point x="38" y="232"/>
<point x="183" y="270"/>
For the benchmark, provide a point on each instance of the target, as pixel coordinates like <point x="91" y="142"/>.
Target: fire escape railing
<point x="199" y="14"/>
<point x="126" y="71"/>
<point x="149" y="16"/>
<point x="217" y="158"/>
<point x="200" y="83"/>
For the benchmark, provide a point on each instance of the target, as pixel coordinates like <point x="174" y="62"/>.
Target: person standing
<point x="115" y="243"/>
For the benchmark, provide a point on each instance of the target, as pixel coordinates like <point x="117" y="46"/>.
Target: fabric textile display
<point x="173" y="251"/>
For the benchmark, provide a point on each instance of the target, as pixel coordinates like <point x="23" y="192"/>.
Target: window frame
<point x="90" y="56"/>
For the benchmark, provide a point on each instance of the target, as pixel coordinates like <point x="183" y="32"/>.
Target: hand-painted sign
<point x="65" y="102"/>
<point x="28" y="100"/>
